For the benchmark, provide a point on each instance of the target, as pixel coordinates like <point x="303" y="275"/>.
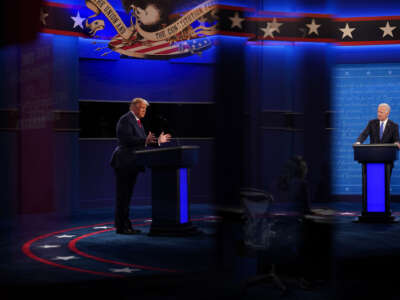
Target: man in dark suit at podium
<point x="381" y="130"/>
<point x="131" y="137"/>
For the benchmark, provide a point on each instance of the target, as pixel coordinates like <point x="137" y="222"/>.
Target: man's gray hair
<point x="139" y="100"/>
<point x="386" y="105"/>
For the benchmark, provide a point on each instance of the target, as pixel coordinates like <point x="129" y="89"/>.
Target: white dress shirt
<point x="384" y="124"/>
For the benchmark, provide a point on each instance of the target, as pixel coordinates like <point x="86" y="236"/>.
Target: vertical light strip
<point x="375" y="187"/>
<point x="183" y="195"/>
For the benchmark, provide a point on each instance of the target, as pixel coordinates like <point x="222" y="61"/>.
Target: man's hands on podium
<point x="163" y="138"/>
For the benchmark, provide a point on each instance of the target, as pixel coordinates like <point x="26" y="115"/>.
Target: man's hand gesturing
<point x="164" y="138"/>
<point x="150" y="139"/>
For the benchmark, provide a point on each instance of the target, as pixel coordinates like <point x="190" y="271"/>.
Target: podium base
<point x="376" y="218"/>
<point x="173" y="229"/>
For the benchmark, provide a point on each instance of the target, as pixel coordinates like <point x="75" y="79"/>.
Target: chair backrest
<point x="257" y="228"/>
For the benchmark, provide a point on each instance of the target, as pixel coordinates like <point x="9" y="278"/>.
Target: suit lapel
<point x="387" y="129"/>
<point x="139" y="130"/>
<point x="132" y="119"/>
<point x="377" y="130"/>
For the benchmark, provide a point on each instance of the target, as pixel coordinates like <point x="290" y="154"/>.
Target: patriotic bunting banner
<point x="188" y="32"/>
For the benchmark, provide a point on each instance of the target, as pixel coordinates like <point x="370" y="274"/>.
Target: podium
<point x="377" y="161"/>
<point x="170" y="172"/>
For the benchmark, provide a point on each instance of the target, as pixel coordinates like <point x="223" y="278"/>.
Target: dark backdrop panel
<point x="66" y="73"/>
<point x="66" y="172"/>
<point x="8" y="136"/>
<point x="9" y="173"/>
<point x="278" y="62"/>
<point x="252" y="117"/>
<point x="295" y="95"/>
<point x="276" y="150"/>
<point x="230" y="128"/>
<point x="298" y="142"/>
<point x="66" y="137"/>
<point x="313" y="89"/>
<point x="9" y="77"/>
<point x="99" y="119"/>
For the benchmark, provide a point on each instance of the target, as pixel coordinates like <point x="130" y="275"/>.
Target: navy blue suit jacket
<point x="390" y="134"/>
<point x="131" y="137"/>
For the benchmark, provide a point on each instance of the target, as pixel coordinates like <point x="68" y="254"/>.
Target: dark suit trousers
<point x="125" y="181"/>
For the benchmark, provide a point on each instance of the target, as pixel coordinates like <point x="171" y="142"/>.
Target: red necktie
<point x="140" y="124"/>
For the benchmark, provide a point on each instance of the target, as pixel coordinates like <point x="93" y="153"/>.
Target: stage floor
<point x="40" y="252"/>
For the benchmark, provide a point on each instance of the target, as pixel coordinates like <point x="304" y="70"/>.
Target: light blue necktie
<point x="381" y="131"/>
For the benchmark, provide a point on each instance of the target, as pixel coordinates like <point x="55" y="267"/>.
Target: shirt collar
<point x="384" y="122"/>
<point x="134" y="115"/>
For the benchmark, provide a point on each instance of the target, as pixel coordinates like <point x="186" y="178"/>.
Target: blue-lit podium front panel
<point x="357" y="90"/>
<point x="183" y="195"/>
<point x="375" y="187"/>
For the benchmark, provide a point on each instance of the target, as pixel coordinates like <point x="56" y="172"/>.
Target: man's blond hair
<point x="139" y="100"/>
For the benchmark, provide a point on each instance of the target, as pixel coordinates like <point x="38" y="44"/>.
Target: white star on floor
<point x="313" y="28"/>
<point x="124" y="270"/>
<point x="64" y="236"/>
<point x="78" y="20"/>
<point x="236" y="21"/>
<point x="271" y="28"/>
<point x="102" y="227"/>
<point x="49" y="246"/>
<point x="43" y="16"/>
<point x="65" y="258"/>
<point x="387" y="30"/>
<point x="347" y="31"/>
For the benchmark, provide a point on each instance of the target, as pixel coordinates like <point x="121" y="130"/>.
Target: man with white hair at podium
<point x="381" y="130"/>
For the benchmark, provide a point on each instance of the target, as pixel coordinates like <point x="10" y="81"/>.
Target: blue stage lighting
<point x="376" y="187"/>
<point x="183" y="195"/>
